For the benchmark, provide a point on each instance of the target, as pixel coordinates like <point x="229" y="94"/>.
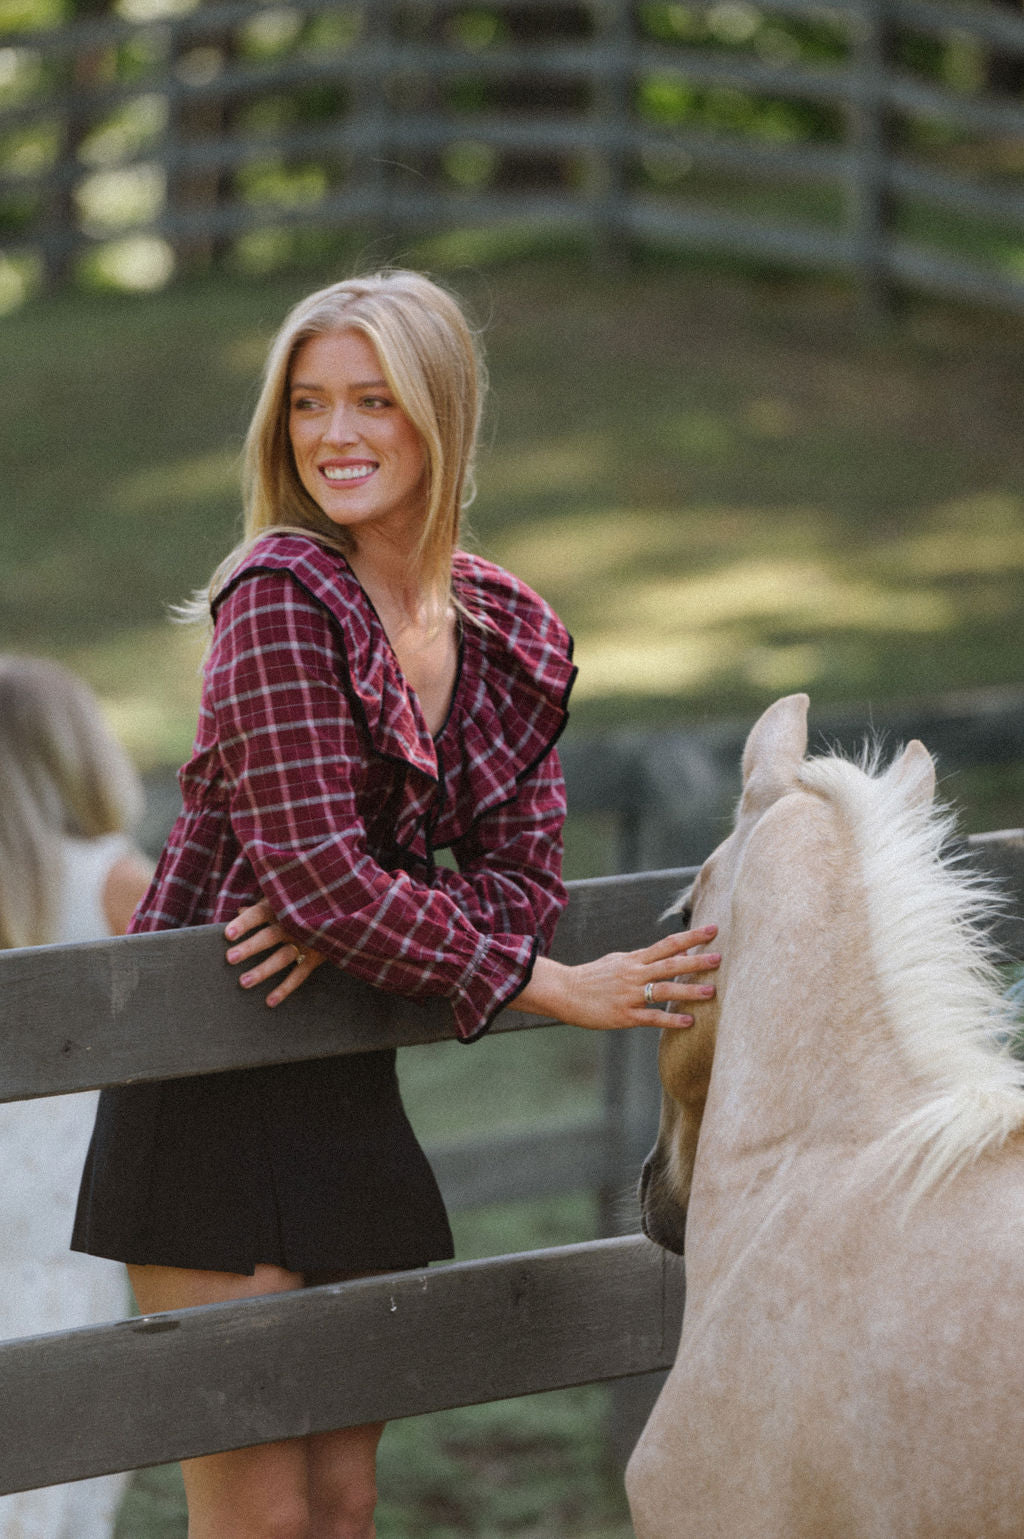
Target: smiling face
<point x="356" y="452"/>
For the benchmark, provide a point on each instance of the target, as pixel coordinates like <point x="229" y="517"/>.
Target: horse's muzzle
<point x="662" y="1217"/>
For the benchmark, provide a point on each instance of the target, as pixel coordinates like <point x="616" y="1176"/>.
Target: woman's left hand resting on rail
<point x="604" y="995"/>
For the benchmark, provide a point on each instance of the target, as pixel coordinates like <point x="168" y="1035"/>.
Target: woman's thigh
<point x="157" y="1288"/>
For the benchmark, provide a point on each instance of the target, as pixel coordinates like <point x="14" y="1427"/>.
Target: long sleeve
<point x="296" y="767"/>
<point x="510" y="862"/>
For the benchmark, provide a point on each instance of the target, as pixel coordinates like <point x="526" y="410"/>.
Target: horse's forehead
<point x="793" y="822"/>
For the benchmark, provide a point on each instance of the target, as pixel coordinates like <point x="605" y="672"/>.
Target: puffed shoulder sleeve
<point x="296" y="759"/>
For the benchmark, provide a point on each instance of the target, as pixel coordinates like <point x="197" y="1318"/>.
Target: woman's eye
<point x="375" y="402"/>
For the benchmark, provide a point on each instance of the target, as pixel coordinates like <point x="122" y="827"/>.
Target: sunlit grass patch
<point x="148" y="683"/>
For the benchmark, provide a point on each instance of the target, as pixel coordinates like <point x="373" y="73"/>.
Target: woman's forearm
<point x="548" y="991"/>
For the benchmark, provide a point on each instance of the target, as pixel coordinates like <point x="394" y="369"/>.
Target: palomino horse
<point x="852" y="1356"/>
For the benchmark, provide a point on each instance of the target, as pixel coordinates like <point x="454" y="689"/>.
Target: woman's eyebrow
<point x="359" y="384"/>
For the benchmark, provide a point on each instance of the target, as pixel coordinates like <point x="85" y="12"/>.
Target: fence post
<point x="612" y="113"/>
<point x="196" y="120"/>
<point x="372" y="109"/>
<point x="871" y="202"/>
<point x="75" y="78"/>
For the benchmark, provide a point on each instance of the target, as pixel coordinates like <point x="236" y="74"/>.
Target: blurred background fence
<point x="882" y="139"/>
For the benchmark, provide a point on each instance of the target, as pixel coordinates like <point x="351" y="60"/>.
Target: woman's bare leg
<point x="247" y="1493"/>
<point x="318" y="1487"/>
<point x="343" y="1482"/>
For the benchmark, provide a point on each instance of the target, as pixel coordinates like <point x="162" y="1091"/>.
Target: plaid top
<point x="314" y="782"/>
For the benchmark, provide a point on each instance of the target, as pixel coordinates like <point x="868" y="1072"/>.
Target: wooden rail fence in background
<point x="880" y="139"/>
<point x="168" y="1386"/>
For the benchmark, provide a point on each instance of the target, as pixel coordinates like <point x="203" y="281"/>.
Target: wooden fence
<point x="168" y="1386"/>
<point x="666" y="795"/>
<point x="874" y="138"/>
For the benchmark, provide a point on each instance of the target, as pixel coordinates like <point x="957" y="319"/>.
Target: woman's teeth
<point x="347" y="472"/>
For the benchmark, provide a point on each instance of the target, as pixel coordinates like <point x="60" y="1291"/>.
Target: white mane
<point x="927" y="919"/>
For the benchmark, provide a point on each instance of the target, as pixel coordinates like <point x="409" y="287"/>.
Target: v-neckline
<point x="413" y="697"/>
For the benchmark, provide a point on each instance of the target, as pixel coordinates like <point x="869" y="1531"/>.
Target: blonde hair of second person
<point x="62" y="775"/>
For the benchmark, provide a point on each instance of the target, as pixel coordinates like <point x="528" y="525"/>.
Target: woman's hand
<point x="625" y="988"/>
<point x="262" y="933"/>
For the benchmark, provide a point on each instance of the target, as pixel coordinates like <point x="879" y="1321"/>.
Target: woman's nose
<point x="341" y="427"/>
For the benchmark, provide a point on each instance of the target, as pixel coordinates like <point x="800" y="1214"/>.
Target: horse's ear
<point x="914" y="771"/>
<point x="774" y="752"/>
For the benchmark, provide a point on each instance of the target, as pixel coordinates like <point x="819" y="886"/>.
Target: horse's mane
<point x="928" y="919"/>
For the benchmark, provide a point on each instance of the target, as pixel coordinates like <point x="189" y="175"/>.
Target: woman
<point x="68" y="872"/>
<point x="372" y="695"/>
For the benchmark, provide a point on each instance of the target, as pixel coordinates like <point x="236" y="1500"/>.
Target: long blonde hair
<point x="429" y="357"/>
<point x="62" y="773"/>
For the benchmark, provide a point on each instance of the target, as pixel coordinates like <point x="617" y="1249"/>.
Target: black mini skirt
<point x="309" y="1166"/>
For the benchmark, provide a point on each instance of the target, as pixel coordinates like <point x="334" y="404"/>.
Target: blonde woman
<point x="69" y="871"/>
<point x="373" y="695"/>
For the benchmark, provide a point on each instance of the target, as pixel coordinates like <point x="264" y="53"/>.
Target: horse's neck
<point x="806" y="1071"/>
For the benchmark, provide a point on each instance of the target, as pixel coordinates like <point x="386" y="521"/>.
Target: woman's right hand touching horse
<point x="622" y="989"/>
<point x="625" y="988"/>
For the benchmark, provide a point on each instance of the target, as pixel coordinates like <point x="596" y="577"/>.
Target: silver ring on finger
<point x="300" y="956"/>
<point x="649" y="995"/>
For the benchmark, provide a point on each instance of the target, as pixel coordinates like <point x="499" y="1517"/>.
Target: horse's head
<point x="771" y="761"/>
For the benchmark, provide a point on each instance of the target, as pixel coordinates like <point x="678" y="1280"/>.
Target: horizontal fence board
<point x="694" y="225"/>
<point x="932" y="272"/>
<point x="995" y="24"/>
<point x="985" y="115"/>
<point x="197" y="1381"/>
<point x="842" y="82"/>
<point x="956" y="192"/>
<point x="1001" y="856"/>
<point x="158" y="1006"/>
<point x="816" y="162"/>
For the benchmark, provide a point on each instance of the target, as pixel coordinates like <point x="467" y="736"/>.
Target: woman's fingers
<point x="676" y="976"/>
<point x="256" y="931"/>
<point x="285" y="956"/>
<point x="305" y="963"/>
<point x="679" y="946"/>
<point x="256" y="916"/>
<point x="258" y="941"/>
<point x="289" y="959"/>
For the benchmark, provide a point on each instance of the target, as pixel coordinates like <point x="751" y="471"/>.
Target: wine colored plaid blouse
<point x="314" y="782"/>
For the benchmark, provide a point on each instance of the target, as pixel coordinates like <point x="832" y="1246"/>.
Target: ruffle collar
<point x="516" y="674"/>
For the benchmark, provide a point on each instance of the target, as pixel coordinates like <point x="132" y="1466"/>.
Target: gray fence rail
<point x="876" y="138"/>
<point x="194" y="1381"/>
